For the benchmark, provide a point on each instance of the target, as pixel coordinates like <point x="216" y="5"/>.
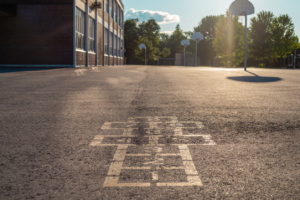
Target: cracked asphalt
<point x="50" y="117"/>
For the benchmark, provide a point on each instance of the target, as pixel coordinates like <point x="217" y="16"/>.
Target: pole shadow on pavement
<point x="254" y="79"/>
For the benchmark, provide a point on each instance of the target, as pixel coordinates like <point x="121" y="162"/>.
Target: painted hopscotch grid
<point x="154" y="141"/>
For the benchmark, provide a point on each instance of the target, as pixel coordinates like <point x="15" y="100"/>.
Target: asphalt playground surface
<point x="149" y="132"/>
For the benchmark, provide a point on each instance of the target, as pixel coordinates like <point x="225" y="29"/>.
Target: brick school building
<point x="61" y="33"/>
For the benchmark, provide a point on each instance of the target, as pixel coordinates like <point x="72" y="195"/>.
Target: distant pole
<point x="242" y="8"/>
<point x="143" y="46"/>
<point x="245" y="65"/>
<point x="185" y="43"/>
<point x="197" y="36"/>
<point x="196" y="54"/>
<point x="145" y="56"/>
<point x="184" y="57"/>
<point x="295" y="59"/>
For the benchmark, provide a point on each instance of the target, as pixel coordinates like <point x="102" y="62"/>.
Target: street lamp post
<point x="242" y="8"/>
<point x="143" y="46"/>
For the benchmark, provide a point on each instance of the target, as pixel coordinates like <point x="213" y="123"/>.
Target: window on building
<point x="111" y="44"/>
<point x="106" y="41"/>
<point x="118" y="43"/>
<point x="118" y="15"/>
<point x="91" y="34"/>
<point x="106" y="7"/>
<point x="119" y="48"/>
<point x="115" y="45"/>
<point x="110" y="9"/>
<point x="80" y="16"/>
<point x="115" y="10"/>
<point x="121" y="19"/>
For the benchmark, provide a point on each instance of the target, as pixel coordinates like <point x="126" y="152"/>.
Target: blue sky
<point x="188" y="13"/>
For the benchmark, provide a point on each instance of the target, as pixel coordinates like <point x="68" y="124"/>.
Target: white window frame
<point x="106" y="39"/>
<point x="110" y="43"/>
<point x="106" y="7"/>
<point x="80" y="36"/>
<point x="91" y="34"/>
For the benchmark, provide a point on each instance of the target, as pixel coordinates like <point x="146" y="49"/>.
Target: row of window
<point x="114" y="11"/>
<point x="91" y="34"/>
<point x="80" y="18"/>
<point x="115" y="44"/>
<point x="109" y="37"/>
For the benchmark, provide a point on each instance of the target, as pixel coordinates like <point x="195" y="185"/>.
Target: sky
<point x="188" y="13"/>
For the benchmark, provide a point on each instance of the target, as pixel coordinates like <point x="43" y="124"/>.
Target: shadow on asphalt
<point x="254" y="79"/>
<point x="22" y="69"/>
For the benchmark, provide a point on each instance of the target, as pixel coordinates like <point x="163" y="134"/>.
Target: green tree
<point x="165" y="52"/>
<point x="207" y="26"/>
<point x="188" y="34"/>
<point x="175" y="41"/>
<point x="131" y="39"/>
<point x="150" y="30"/>
<point x="149" y="35"/>
<point x="283" y="36"/>
<point x="229" y="40"/>
<point x="163" y="40"/>
<point x="163" y="43"/>
<point x="153" y="53"/>
<point x="260" y="44"/>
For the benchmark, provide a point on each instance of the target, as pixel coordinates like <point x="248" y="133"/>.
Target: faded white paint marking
<point x="155" y="176"/>
<point x="113" y="182"/>
<point x="106" y="125"/>
<point x="138" y="155"/>
<point x="185" y="152"/>
<point x="190" y="168"/>
<point x="154" y="159"/>
<point x="120" y="155"/>
<point x="115" y="169"/>
<point x="137" y="168"/>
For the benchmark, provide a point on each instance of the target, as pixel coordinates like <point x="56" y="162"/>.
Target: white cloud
<point x="159" y="16"/>
<point x="167" y="32"/>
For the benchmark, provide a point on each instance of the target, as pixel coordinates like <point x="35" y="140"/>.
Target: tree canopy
<point x="260" y="45"/>
<point x="270" y="39"/>
<point x="283" y="37"/>
<point x="144" y="32"/>
<point x="229" y="40"/>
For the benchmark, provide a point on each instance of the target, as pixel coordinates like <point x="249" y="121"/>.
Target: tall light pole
<point x="242" y="8"/>
<point x="143" y="46"/>
<point x="197" y="37"/>
<point x="185" y="43"/>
